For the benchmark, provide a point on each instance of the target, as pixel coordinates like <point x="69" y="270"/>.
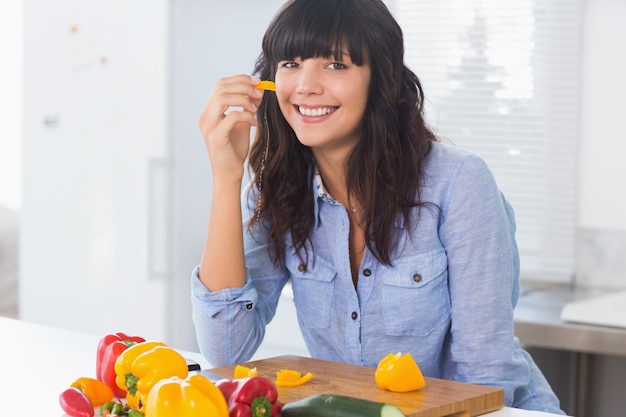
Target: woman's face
<point x="323" y="100"/>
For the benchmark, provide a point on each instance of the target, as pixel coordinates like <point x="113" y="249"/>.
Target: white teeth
<point x="321" y="111"/>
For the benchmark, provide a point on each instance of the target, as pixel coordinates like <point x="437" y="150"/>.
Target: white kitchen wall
<point x="601" y="246"/>
<point x="602" y="198"/>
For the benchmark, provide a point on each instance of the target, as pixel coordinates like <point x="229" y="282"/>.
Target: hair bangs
<point x="309" y="29"/>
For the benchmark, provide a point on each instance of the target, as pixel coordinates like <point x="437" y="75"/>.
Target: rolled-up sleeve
<point x="218" y="318"/>
<point x="230" y="323"/>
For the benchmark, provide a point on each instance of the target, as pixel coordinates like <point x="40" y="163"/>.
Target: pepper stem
<point x="131" y="383"/>
<point x="261" y="407"/>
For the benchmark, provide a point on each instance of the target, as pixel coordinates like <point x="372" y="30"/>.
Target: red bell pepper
<point x="109" y="348"/>
<point x="250" y="397"/>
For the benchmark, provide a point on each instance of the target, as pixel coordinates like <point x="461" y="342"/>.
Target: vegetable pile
<point x="141" y="378"/>
<point x="146" y="378"/>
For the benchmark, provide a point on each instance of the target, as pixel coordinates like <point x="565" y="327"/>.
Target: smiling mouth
<point x="316" y="112"/>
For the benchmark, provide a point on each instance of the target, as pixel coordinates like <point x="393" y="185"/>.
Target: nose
<point x="309" y="79"/>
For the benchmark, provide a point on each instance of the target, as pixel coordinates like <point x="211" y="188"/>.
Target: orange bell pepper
<point x="399" y="373"/>
<point x="96" y="391"/>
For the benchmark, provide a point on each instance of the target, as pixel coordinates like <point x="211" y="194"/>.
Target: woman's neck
<point x="332" y="170"/>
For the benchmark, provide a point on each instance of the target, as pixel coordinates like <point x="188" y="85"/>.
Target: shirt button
<point x="302" y="267"/>
<point x="417" y="278"/>
<point x="249" y="306"/>
<point x="354" y="315"/>
<point x="367" y="272"/>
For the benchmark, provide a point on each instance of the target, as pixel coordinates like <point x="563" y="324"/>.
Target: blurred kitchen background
<point x="105" y="183"/>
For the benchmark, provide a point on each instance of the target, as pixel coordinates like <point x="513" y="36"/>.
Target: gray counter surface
<point x="538" y="323"/>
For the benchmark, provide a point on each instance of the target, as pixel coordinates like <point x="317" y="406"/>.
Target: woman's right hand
<point x="225" y="123"/>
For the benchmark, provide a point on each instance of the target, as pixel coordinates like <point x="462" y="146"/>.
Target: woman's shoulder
<point x="444" y="158"/>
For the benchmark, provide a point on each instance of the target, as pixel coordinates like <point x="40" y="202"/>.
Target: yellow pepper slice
<point x="194" y="396"/>
<point x="291" y="378"/>
<point x="266" y="85"/>
<point x="399" y="373"/>
<point x="245" y="372"/>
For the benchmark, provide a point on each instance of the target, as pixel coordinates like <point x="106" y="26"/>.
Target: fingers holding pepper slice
<point x="266" y="85"/>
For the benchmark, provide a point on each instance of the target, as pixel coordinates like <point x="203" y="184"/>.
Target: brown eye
<point x="337" y="66"/>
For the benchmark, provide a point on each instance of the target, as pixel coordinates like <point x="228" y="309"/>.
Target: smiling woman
<point x="391" y="239"/>
<point x="323" y="100"/>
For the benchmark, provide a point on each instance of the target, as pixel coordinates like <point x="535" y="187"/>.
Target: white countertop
<point x="539" y="320"/>
<point x="602" y="310"/>
<point x="38" y="362"/>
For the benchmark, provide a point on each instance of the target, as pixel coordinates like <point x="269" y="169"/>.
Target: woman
<point x="393" y="241"/>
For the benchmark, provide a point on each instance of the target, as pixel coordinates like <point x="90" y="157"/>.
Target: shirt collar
<point x="320" y="195"/>
<point x="320" y="191"/>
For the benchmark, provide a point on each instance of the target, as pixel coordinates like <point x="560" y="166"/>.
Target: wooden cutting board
<point x="439" y="398"/>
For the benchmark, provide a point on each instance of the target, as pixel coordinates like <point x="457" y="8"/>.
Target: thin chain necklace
<point x="349" y="208"/>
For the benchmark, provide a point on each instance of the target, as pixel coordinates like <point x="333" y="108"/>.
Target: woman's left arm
<point x="478" y="232"/>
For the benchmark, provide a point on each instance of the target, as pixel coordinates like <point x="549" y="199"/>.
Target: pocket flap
<point x="417" y="271"/>
<point x="316" y="269"/>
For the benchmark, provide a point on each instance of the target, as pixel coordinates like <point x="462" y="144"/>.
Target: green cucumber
<point x="328" y="405"/>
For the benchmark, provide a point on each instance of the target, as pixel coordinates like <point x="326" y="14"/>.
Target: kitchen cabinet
<point x="116" y="177"/>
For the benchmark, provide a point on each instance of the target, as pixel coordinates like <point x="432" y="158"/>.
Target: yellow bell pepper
<point x="194" y="396"/>
<point x="399" y="373"/>
<point x="96" y="391"/>
<point x="291" y="378"/>
<point x="141" y="366"/>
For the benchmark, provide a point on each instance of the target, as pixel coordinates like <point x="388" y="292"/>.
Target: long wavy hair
<point x="384" y="170"/>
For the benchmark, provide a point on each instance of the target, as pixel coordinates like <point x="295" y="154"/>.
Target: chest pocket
<point x="416" y="300"/>
<point x="313" y="289"/>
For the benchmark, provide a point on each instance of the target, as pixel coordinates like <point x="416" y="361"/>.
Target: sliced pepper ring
<point x="291" y="378"/>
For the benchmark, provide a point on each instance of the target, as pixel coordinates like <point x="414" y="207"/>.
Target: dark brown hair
<point x="384" y="170"/>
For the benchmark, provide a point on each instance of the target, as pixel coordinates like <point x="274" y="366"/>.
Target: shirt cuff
<point x="211" y="303"/>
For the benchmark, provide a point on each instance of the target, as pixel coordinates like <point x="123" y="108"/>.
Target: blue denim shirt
<point x="448" y="297"/>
